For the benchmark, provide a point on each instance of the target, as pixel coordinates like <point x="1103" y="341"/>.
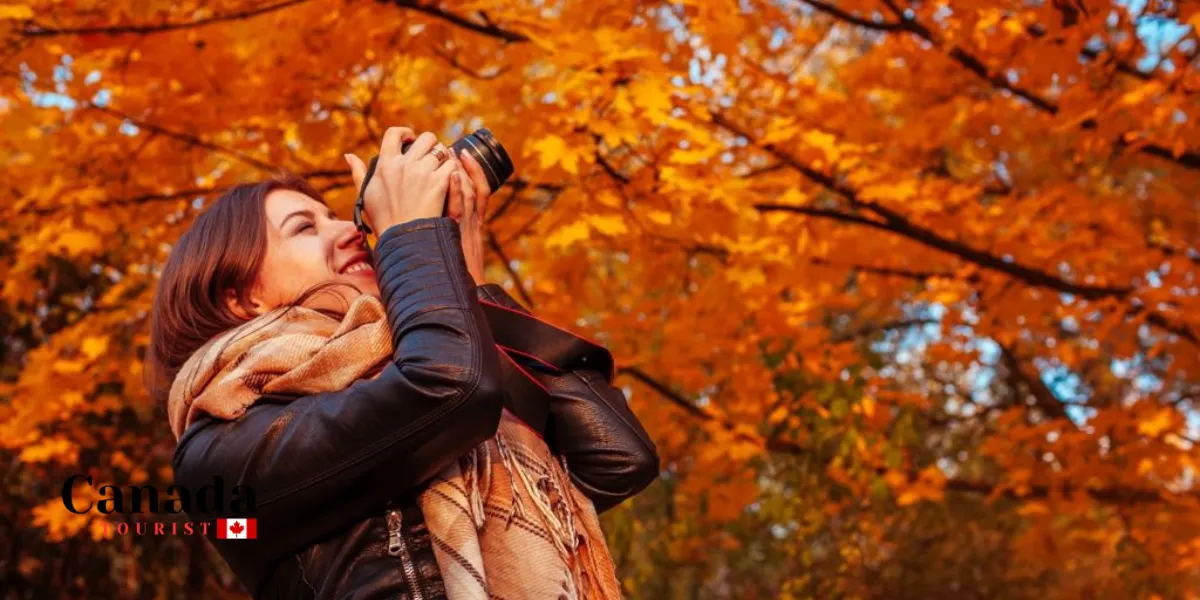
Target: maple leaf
<point x="552" y="150"/>
<point x="15" y="12"/>
<point x="569" y="234"/>
<point x="236" y="528"/>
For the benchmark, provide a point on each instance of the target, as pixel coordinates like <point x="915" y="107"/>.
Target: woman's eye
<point x="305" y="226"/>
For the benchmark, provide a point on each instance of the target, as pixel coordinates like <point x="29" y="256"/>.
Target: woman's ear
<point x="231" y="300"/>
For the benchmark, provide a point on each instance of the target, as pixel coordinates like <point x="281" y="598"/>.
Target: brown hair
<point x="222" y="250"/>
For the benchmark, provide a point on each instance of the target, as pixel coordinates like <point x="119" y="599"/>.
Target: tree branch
<point x="486" y="28"/>
<point x="194" y="192"/>
<point x="184" y="137"/>
<point x="884" y="271"/>
<point x="32" y="29"/>
<point x="704" y="415"/>
<point x="468" y="71"/>
<point x="516" y="277"/>
<point x="897" y="223"/>
<point x="851" y="18"/>
<point x="871" y="329"/>
<point x="976" y="66"/>
<point x="1045" y="399"/>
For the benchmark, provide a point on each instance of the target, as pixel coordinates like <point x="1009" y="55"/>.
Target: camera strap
<point x="533" y="354"/>
<point x="358" y="204"/>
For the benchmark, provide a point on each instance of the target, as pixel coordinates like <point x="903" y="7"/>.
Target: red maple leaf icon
<point x="237" y="529"/>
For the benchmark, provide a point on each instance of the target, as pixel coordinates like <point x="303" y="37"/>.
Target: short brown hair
<point x="222" y="250"/>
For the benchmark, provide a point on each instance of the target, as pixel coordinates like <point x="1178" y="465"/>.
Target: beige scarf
<point x="505" y="519"/>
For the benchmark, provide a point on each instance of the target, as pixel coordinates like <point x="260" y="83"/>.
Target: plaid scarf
<point x="505" y="520"/>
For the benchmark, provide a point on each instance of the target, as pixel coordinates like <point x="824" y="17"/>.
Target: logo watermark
<point x="177" y="504"/>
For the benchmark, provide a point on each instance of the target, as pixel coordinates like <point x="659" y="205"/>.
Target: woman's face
<point x="306" y="245"/>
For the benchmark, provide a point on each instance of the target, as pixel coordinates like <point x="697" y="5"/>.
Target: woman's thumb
<point x="358" y="169"/>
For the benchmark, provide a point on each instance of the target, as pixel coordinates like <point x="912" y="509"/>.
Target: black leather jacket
<point x="335" y="474"/>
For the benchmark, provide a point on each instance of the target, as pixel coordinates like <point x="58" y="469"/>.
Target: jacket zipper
<point x="397" y="547"/>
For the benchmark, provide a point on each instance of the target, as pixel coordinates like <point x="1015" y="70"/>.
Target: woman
<point x="363" y="398"/>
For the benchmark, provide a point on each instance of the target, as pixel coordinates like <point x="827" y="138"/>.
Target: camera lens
<point x="486" y="149"/>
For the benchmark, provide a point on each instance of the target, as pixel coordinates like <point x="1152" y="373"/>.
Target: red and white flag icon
<point x="237" y="529"/>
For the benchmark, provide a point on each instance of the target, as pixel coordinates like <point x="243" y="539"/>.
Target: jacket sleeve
<point x="321" y="462"/>
<point x="610" y="457"/>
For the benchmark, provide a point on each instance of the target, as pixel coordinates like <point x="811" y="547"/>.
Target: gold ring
<point x="441" y="154"/>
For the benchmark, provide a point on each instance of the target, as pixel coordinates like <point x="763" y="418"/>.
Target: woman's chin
<point x="363" y="280"/>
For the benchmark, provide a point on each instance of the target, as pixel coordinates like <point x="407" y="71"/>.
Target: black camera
<point x="481" y="145"/>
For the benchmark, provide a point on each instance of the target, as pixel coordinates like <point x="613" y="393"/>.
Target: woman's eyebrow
<point x="299" y="213"/>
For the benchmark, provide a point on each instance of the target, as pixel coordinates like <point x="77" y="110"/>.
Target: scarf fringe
<point x="546" y="492"/>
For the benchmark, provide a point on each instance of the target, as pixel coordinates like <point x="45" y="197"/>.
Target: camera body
<point x="480" y="144"/>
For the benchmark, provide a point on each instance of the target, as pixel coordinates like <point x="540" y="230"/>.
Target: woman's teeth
<point x="357" y="267"/>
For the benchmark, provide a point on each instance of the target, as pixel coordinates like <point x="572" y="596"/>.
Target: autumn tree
<point x="906" y="291"/>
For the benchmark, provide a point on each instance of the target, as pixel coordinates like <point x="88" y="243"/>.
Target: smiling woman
<point x="376" y="422"/>
<point x="265" y="227"/>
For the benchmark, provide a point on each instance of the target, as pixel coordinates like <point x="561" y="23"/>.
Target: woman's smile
<point x="358" y="264"/>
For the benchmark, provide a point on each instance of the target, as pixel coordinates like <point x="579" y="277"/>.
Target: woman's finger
<point x="483" y="189"/>
<point x="432" y="157"/>
<point x="456" y="197"/>
<point x="393" y="139"/>
<point x="422" y="145"/>
<point x="358" y="169"/>
<point x="442" y="176"/>
<point x="469" y="198"/>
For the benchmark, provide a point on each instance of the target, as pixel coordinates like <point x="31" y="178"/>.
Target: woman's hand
<point x="406" y="185"/>
<point x="469" y="194"/>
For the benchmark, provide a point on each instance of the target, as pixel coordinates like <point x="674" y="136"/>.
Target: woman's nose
<point x="349" y="236"/>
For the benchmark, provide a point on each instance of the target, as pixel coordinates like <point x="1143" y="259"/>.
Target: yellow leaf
<point x="693" y="156"/>
<point x="1013" y="26"/>
<point x="15" y="12"/>
<point x="824" y="142"/>
<point x="71" y="399"/>
<point x="59" y="522"/>
<point x="781" y="129"/>
<point x="868" y="406"/>
<point x="68" y="367"/>
<point x="778" y="415"/>
<point x="608" y="198"/>
<point x="1145" y="466"/>
<point x="607" y="225"/>
<point x="1033" y="508"/>
<point x="1141" y="93"/>
<point x="549" y="148"/>
<point x="746" y="278"/>
<point x="62" y="450"/>
<point x="652" y="96"/>
<point x="659" y="217"/>
<point x="78" y="242"/>
<point x="621" y="102"/>
<point x="901" y="190"/>
<point x="742" y="451"/>
<point x="569" y="234"/>
<point x="94" y="346"/>
<point x="553" y="150"/>
<point x="1160" y="422"/>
